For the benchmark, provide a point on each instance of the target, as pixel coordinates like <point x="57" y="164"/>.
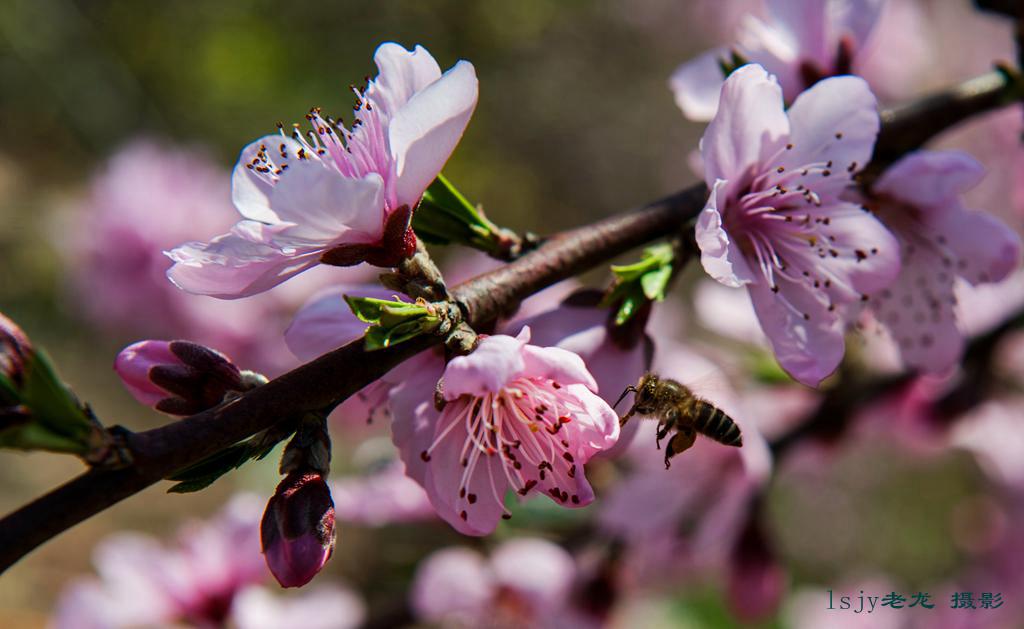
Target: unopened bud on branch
<point x="179" y="377"/>
<point x="297" y="531"/>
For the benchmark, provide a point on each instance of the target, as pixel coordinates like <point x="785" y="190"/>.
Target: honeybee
<point x="675" y="406"/>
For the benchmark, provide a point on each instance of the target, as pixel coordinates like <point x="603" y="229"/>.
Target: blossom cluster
<point x="824" y="237"/>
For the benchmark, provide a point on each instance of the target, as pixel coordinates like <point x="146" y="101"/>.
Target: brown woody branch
<point x="335" y="376"/>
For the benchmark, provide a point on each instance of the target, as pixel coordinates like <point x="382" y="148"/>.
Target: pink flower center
<point x="356" y="153"/>
<point x="782" y="222"/>
<point x="527" y="427"/>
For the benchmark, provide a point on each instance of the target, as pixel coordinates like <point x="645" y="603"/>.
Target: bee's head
<point x="646" y="394"/>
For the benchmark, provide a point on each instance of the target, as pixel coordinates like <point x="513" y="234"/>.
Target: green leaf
<point x="655" y="283"/>
<point x="372" y="310"/>
<point x="444" y="216"/>
<point x="379" y="337"/>
<point x="645" y="280"/>
<point x="204" y="473"/>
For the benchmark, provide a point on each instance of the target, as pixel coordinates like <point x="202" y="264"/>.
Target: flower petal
<point x="472" y="503"/>
<point x="918" y="312"/>
<point x="930" y="178"/>
<point x="413" y="417"/>
<point x="855" y="18"/>
<point x="327" y="207"/>
<point x="835" y="120"/>
<point x="493" y="364"/>
<point x="539" y="571"/>
<point x="402" y="73"/>
<point x="720" y="258"/>
<point x="808" y="347"/>
<point x="697" y="85"/>
<point x="251" y="192"/>
<point x="866" y="254"/>
<point x="326" y="322"/>
<point x="748" y="128"/>
<point x="560" y="365"/>
<point x="424" y="132"/>
<point x="230" y="266"/>
<point x="453" y="583"/>
<point x="803" y="23"/>
<point x="986" y="249"/>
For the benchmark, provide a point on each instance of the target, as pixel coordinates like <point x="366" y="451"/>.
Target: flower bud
<point x="15" y="351"/>
<point x="297" y="531"/>
<point x="177" y="377"/>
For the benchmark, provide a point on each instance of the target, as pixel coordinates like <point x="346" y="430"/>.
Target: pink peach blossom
<point x="799" y="41"/>
<point x="775" y="221"/>
<point x="525" y="582"/>
<point x="210" y="578"/>
<point x="337" y="196"/>
<point x="144" y="583"/>
<point x="919" y="199"/>
<point x="387" y="496"/>
<point x="148" y="197"/>
<point x="517" y="416"/>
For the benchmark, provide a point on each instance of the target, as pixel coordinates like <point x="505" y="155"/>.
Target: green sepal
<point x="378" y="337"/>
<point x="58" y="421"/>
<point x="729" y="64"/>
<point x="392" y="322"/>
<point x="640" y="282"/>
<point x="445" y="216"/>
<point x="384" y="311"/>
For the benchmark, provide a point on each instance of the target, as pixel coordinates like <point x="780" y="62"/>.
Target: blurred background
<point x="575" y="122"/>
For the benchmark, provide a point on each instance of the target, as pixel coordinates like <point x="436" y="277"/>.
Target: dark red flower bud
<point x="297" y="531"/>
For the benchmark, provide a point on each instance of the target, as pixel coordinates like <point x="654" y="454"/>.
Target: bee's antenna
<point x="629" y="389"/>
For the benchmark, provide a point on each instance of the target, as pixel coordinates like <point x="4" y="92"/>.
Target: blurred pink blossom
<point x="387" y="496"/>
<point x="516" y="416"/>
<point x="321" y="606"/>
<point x="798" y="41"/>
<point x="775" y="221"/>
<point x="143" y="583"/>
<point x="149" y="197"/>
<point x="339" y="196"/>
<point x="919" y="199"/>
<point x="525" y="582"/>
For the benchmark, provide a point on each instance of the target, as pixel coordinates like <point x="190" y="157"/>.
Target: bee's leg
<point x="663" y="428"/>
<point x="625" y="418"/>
<point x="680" y="442"/>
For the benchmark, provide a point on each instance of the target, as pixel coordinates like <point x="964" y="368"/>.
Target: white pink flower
<point x="919" y="199"/>
<point x="799" y="41"/>
<point x="148" y="197"/>
<point x="525" y="582"/>
<point x="775" y="221"/>
<point x="211" y="577"/>
<point x="145" y="583"/>
<point x="516" y="416"/>
<point x="386" y="496"/>
<point x="336" y="195"/>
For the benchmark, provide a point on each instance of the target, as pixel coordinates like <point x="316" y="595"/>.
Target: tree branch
<point x="332" y="378"/>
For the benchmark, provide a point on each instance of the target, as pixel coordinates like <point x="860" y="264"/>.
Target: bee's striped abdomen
<point x="713" y="422"/>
